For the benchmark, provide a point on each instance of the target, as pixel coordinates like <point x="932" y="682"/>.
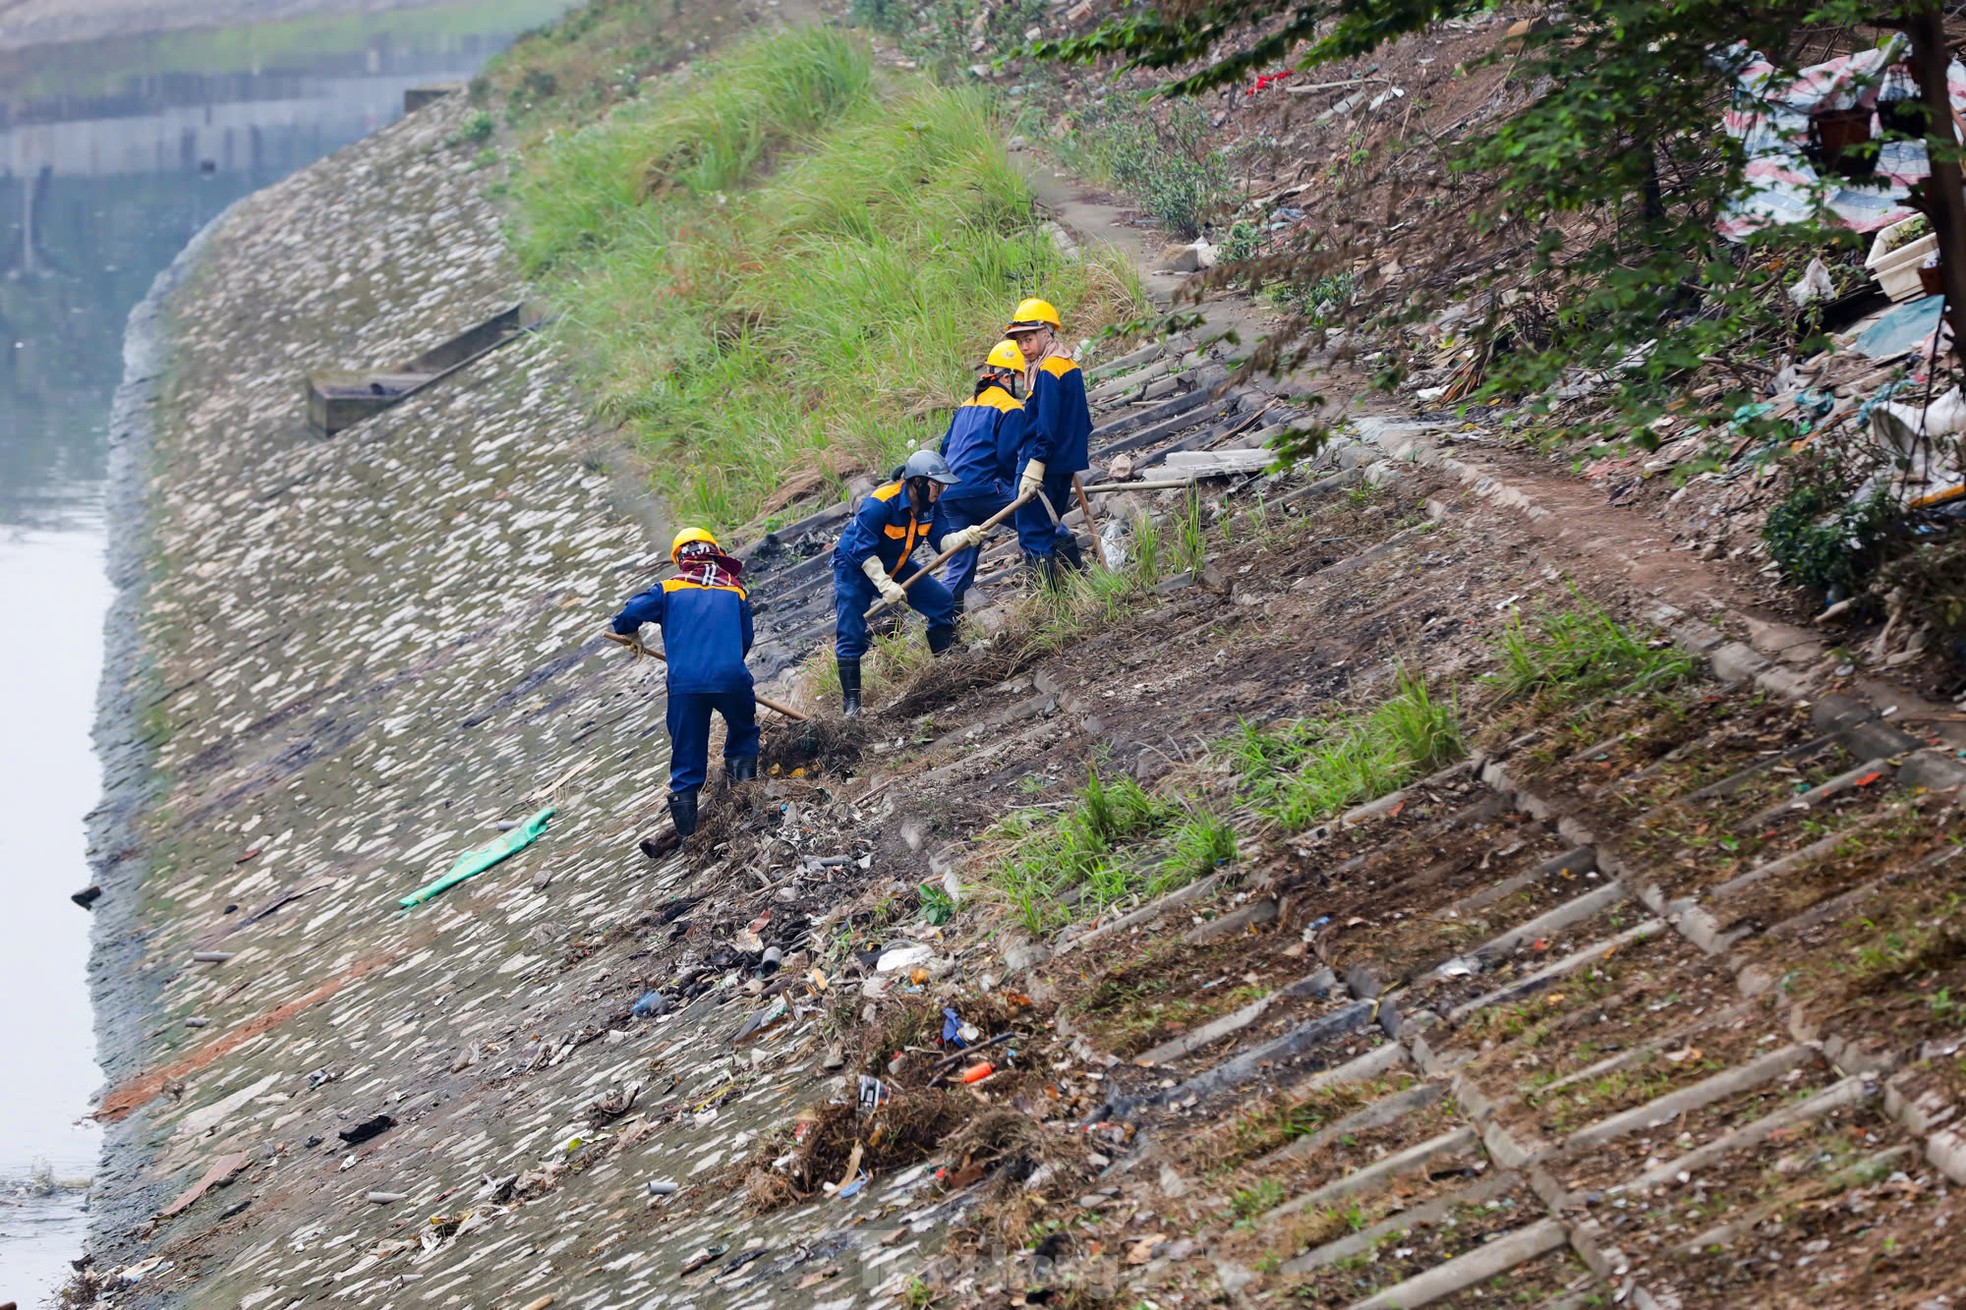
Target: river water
<point x="112" y="155"/>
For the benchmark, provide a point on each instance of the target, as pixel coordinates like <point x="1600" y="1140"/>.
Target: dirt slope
<point x="1650" y="995"/>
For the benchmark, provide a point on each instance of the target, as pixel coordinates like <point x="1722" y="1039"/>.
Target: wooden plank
<point x="220" y="1172"/>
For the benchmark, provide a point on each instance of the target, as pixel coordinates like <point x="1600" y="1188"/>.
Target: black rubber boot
<point x="1043" y="572"/>
<point x="1068" y="554"/>
<point x="850" y="688"/>
<point x="940" y="639"/>
<point x="682" y="811"/>
<point x="1036" y="571"/>
<point x="740" y="768"/>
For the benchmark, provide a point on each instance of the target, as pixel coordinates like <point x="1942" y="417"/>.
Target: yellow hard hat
<point x="1034" y="314"/>
<point x="684" y="538"/>
<point x="1005" y="354"/>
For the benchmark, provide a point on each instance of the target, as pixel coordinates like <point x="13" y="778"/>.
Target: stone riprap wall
<point x="361" y="656"/>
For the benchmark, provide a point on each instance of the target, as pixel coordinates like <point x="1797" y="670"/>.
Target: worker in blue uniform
<point x="705" y="618"/>
<point x="1058" y="429"/>
<point x="872" y="561"/>
<point x="982" y="445"/>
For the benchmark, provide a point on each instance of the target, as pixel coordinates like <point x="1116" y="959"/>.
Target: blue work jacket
<point x="983" y="442"/>
<point x="883" y="526"/>
<point x="706" y="633"/>
<point x="1060" y="422"/>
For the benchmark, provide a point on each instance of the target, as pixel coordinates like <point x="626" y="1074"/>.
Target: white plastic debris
<point x="1814" y="284"/>
<point x="903" y="957"/>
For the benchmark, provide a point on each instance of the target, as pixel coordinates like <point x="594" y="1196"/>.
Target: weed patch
<point x="1163" y="157"/>
<point x="1307" y="770"/>
<point x="1115" y="841"/>
<point x="1583" y="653"/>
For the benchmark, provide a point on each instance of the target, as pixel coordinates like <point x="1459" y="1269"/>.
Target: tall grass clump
<point x="779" y="272"/>
<point x="1302" y="772"/>
<point x="1582" y="653"/>
<point x="1114" y="841"/>
<point x="1162" y="154"/>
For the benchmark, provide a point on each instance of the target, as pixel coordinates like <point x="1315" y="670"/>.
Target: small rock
<point x="1019" y="957"/>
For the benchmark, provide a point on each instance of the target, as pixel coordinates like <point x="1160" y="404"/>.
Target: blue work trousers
<point x="853" y="594"/>
<point x="689" y="732"/>
<point x="1036" y="534"/>
<point x="965" y="512"/>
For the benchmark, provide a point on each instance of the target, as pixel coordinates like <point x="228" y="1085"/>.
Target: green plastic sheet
<point x="474" y="862"/>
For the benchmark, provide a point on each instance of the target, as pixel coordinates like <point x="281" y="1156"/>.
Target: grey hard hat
<point x="928" y="464"/>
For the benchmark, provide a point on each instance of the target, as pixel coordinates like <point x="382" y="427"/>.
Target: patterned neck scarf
<point x="707" y="566"/>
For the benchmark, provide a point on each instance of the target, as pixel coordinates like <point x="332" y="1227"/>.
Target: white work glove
<point x="1033" y="479"/>
<point x="890" y="590"/>
<point x="962" y="539"/>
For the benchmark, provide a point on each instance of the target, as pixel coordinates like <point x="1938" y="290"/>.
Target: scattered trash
<point x="142" y="1269"/>
<point x="703" y="1256"/>
<point x="1814" y="284"/>
<point x="211" y="957"/>
<point x="1902" y="329"/>
<point x="873" y="1094"/>
<point x="474" y="862"/>
<point x="903" y="957"/>
<point x="1463" y="966"/>
<point x="387" y="1198"/>
<point x="367" y="1129"/>
<point x="87" y="897"/>
<point x="662" y="1187"/>
<point x="649" y="1004"/>
<point x="772" y="1014"/>
<point x="976" y="1073"/>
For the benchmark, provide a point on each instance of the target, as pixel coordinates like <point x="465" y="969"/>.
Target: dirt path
<point x="1606" y="548"/>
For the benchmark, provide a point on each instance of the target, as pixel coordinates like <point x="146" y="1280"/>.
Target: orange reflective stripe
<point x="677" y="584"/>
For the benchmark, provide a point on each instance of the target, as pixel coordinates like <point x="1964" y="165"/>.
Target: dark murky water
<point x="112" y="155"/>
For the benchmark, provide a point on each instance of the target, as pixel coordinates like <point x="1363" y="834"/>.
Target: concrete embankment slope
<point x="362" y="655"/>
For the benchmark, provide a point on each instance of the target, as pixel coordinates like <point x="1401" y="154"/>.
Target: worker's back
<point x="706" y="633"/>
<point x="982" y="441"/>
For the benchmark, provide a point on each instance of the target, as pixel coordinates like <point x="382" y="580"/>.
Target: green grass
<point x="1116" y="840"/>
<point x="1582" y="653"/>
<point x="1148" y="550"/>
<point x="1160" y="153"/>
<point x="1190" y="535"/>
<point x="1305" y="771"/>
<point x="780" y="267"/>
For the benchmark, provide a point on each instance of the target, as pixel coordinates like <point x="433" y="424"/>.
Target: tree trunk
<point x="1946" y="191"/>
